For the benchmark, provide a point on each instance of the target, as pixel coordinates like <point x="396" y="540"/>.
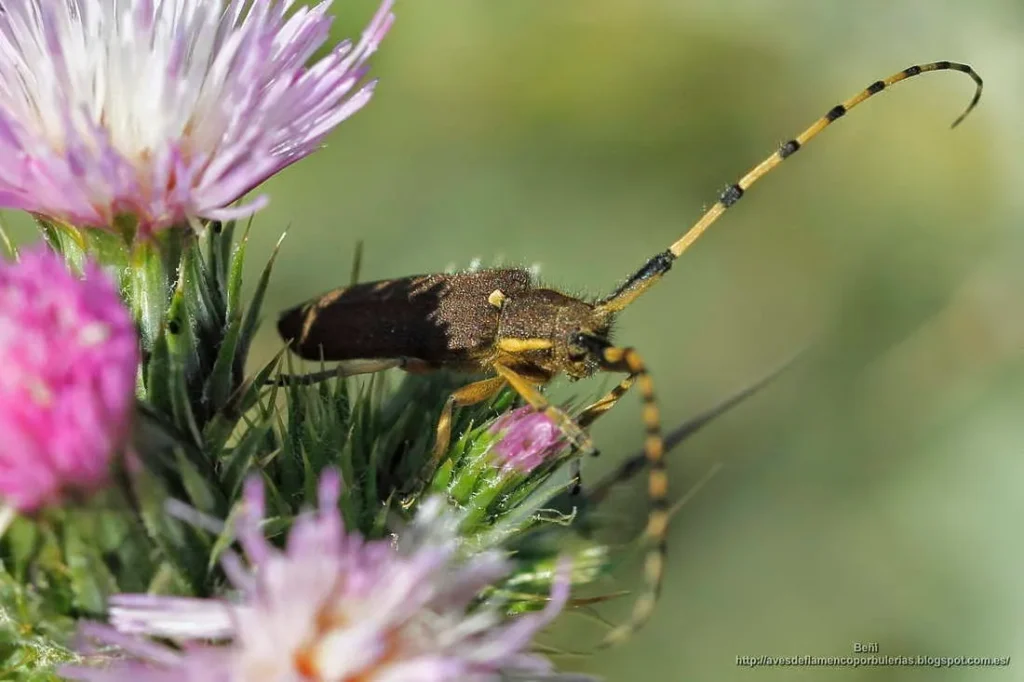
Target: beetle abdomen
<point x="441" y="319"/>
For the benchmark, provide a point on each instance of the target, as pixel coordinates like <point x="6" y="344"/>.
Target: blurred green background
<point x="873" y="494"/>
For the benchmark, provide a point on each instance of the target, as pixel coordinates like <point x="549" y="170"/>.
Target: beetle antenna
<point x="657" y="266"/>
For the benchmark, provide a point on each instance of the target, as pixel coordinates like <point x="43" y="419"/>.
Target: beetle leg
<point x="577" y="436"/>
<point x="591" y="412"/>
<point x="628" y="360"/>
<point x="587" y="417"/>
<point x="471" y="394"/>
<point x="347" y="368"/>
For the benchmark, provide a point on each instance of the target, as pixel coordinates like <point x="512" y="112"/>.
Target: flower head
<point x="334" y="606"/>
<point x="528" y="439"/>
<point x="69" y="354"/>
<point x="165" y="111"/>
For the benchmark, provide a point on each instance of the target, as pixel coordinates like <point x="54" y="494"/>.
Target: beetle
<point x="501" y="323"/>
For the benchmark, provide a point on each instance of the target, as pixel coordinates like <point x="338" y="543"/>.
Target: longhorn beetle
<point x="499" y="322"/>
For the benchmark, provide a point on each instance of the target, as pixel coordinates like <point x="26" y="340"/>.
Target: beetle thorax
<point x="545" y="322"/>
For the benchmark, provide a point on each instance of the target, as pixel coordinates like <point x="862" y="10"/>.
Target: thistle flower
<point x="69" y="354"/>
<point x="165" y="111"/>
<point x="333" y="606"/>
<point x="528" y="439"/>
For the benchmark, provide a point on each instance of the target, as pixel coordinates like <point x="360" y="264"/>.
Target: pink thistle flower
<point x="528" y="439"/>
<point x="69" y="355"/>
<point x="165" y="111"/>
<point x="333" y="606"/>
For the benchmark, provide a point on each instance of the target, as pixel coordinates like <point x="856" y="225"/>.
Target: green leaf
<point x="91" y="580"/>
<point x="8" y="243"/>
<point x="63" y="239"/>
<point x="158" y="377"/>
<point x="219" y="429"/>
<point x="147" y="292"/>
<point x="210" y="279"/>
<point x="179" y="347"/>
<point x="166" y="580"/>
<point x="180" y="548"/>
<point x="33" y="637"/>
<point x="220" y="383"/>
<point x="203" y="493"/>
<point x="205" y="305"/>
<point x="222" y="240"/>
<point x="225" y="538"/>
<point x="252" y="315"/>
<point x="22" y="542"/>
<point x="243" y="456"/>
<point x="106" y="247"/>
<point x="157" y="439"/>
<point x="233" y="273"/>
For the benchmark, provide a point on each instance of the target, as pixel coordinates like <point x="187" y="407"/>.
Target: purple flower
<point x="165" y="112"/>
<point x="528" y="439"/>
<point x="334" y="606"/>
<point x="68" y="359"/>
